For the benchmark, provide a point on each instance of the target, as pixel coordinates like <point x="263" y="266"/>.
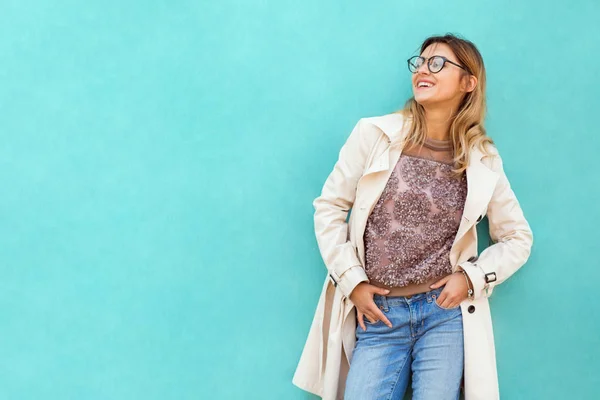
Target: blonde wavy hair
<point x="467" y="126"/>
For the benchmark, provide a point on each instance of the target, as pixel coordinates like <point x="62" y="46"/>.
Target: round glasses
<point x="435" y="63"/>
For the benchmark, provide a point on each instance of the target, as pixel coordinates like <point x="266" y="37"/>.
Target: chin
<point x="424" y="101"/>
<point x="428" y="100"/>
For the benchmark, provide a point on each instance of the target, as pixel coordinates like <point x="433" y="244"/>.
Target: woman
<point x="418" y="181"/>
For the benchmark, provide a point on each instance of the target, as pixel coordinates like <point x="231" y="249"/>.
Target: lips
<point x="424" y="84"/>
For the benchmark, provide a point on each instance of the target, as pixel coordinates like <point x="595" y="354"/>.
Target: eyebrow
<point x="439" y="55"/>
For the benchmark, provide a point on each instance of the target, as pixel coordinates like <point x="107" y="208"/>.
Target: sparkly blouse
<point x="412" y="226"/>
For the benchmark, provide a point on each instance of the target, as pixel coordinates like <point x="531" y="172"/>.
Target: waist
<point x="410" y="289"/>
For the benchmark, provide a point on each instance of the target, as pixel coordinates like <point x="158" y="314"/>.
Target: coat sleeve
<point x="331" y="211"/>
<point x="512" y="236"/>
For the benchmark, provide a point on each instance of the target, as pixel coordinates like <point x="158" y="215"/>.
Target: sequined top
<point x="412" y="227"/>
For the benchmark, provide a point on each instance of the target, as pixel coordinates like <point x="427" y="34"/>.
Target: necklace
<point x="437" y="145"/>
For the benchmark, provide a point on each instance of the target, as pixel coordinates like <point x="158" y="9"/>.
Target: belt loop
<point x="384" y="303"/>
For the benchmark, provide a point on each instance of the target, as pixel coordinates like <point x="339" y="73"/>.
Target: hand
<point x="362" y="298"/>
<point x="455" y="291"/>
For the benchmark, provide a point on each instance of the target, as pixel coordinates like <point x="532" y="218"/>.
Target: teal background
<point x="158" y="161"/>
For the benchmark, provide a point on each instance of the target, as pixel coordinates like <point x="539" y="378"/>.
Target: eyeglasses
<point x="435" y="63"/>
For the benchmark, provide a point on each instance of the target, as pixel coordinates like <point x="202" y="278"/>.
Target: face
<point x="447" y="88"/>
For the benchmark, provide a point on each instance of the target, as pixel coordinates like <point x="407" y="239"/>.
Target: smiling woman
<point x="406" y="295"/>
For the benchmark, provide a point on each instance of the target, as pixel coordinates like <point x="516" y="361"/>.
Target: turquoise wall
<point x="158" y="161"/>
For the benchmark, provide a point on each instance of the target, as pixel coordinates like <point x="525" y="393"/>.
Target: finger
<point x="381" y="291"/>
<point x="371" y="311"/>
<point x="371" y="316"/>
<point x="382" y="317"/>
<point x="446" y="302"/>
<point x="441" y="299"/>
<point x="439" y="283"/>
<point x="367" y="315"/>
<point x="361" y="322"/>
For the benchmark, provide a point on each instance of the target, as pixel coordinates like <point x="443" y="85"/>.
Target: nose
<point x="423" y="69"/>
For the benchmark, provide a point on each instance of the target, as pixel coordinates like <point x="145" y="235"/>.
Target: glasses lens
<point x="414" y="63"/>
<point x="436" y="64"/>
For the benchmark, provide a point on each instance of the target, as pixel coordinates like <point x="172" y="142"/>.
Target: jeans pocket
<point x="444" y="308"/>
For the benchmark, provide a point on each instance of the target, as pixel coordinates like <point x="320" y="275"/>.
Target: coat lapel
<point x="392" y="126"/>
<point x="481" y="182"/>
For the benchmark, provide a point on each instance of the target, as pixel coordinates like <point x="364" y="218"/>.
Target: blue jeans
<point x="425" y="339"/>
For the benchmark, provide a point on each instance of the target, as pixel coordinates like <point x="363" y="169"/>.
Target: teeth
<point x="424" y="84"/>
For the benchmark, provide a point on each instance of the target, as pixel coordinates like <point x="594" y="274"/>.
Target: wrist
<point x="470" y="292"/>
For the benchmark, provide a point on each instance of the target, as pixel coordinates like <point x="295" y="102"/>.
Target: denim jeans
<point x="425" y="339"/>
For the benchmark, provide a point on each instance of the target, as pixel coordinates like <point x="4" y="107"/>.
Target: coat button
<point x="471" y="309"/>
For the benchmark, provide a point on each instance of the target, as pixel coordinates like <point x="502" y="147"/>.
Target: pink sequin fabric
<point x="412" y="226"/>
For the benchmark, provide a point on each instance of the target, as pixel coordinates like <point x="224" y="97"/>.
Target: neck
<point x="438" y="123"/>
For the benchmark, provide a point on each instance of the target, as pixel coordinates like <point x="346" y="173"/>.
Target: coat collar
<point x="394" y="124"/>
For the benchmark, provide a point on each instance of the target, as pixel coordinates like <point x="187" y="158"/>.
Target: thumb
<point x="435" y="285"/>
<point x="382" y="291"/>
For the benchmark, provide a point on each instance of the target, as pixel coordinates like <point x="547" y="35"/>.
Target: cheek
<point x="449" y="84"/>
<point x="447" y="89"/>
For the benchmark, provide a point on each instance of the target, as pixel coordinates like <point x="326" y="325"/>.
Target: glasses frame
<point x="428" y="60"/>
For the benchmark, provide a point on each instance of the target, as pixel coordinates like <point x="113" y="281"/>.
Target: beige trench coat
<point x="358" y="178"/>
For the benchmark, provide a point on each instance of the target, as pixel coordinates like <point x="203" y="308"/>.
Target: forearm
<point x="512" y="234"/>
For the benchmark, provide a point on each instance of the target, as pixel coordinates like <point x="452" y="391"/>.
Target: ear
<point x="470" y="84"/>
